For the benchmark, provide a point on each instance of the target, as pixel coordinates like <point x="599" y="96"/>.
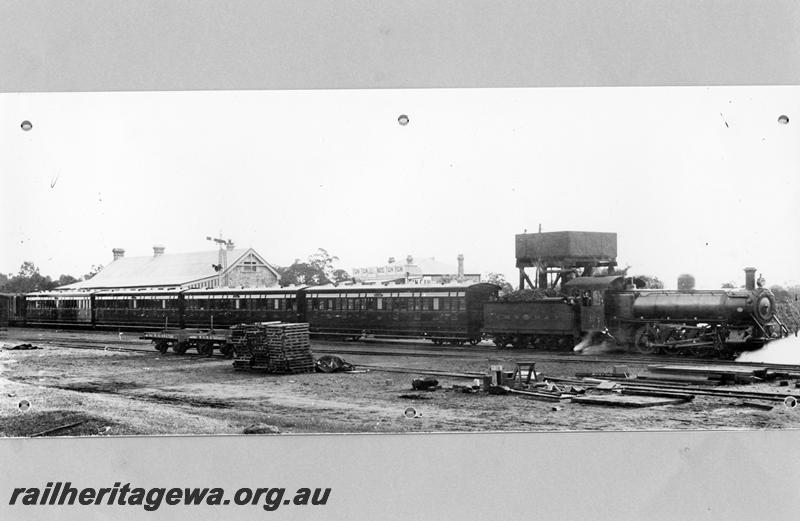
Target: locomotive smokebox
<point x="750" y="279"/>
<point x="685" y="282"/>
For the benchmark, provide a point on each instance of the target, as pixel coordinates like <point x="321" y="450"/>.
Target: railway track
<point x="371" y="347"/>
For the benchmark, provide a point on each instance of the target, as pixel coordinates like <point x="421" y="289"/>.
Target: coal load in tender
<point x="272" y="347"/>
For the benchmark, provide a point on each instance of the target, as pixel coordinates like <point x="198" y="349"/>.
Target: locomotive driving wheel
<point x="643" y="341"/>
<point x="672" y="347"/>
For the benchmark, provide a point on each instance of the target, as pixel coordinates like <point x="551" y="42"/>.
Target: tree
<point x="651" y="282"/>
<point x="340" y="275"/>
<point x="500" y="280"/>
<point x="302" y="273"/>
<point x="323" y="261"/>
<point x="28" y="270"/>
<point x="63" y="280"/>
<point x="319" y="269"/>
<point x="94" y="270"/>
<point x="29" y="279"/>
<point x="781" y="293"/>
<point x="728" y="285"/>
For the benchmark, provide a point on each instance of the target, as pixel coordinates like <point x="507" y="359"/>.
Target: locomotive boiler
<point x="702" y="321"/>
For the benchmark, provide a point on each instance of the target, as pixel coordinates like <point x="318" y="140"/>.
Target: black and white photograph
<point x="399" y="261"/>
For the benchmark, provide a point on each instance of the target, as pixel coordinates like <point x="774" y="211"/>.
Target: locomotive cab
<point x="602" y="300"/>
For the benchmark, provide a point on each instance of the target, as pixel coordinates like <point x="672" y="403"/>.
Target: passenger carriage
<point x="442" y="313"/>
<point x="138" y="308"/>
<point x="59" y="308"/>
<point x="12" y="309"/>
<point x="224" y="307"/>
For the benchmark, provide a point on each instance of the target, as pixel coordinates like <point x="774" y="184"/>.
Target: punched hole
<point x="783" y="119"/>
<point x="403" y="119"/>
<point x="26" y="125"/>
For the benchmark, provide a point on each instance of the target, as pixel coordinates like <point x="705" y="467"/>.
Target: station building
<point x="415" y="271"/>
<point x="228" y="267"/>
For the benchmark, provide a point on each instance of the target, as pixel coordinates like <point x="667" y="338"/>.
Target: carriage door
<point x="592" y="315"/>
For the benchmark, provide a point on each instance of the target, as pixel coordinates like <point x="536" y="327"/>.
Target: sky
<point x="700" y="180"/>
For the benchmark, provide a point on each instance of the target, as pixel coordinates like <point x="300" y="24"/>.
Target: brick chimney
<point x="158" y="250"/>
<point x="460" y="266"/>
<point x="118" y="253"/>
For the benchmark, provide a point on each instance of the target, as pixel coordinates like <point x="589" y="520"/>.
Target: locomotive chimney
<point x="750" y="279"/>
<point x="460" y="266"/>
<point x="118" y="253"/>
<point x="409" y="259"/>
<point x="229" y="245"/>
<point x="158" y="250"/>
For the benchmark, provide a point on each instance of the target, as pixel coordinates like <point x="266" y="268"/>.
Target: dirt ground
<point x="102" y="393"/>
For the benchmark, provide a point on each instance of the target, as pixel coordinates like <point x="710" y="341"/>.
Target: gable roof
<point x="174" y="269"/>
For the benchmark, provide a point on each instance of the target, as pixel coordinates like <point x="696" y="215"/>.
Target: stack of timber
<point x="273" y="347"/>
<point x="245" y="338"/>
<point x="289" y="349"/>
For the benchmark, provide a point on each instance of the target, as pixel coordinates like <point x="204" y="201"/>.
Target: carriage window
<point x="378" y="303"/>
<point x="276" y="304"/>
<point x="349" y="304"/>
<point x="315" y="304"/>
<point x="426" y="303"/>
<point x="436" y="303"/>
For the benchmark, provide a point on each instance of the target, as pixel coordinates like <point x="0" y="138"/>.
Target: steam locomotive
<point x="618" y="310"/>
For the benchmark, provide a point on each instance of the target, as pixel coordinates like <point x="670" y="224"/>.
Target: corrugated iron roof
<point x="171" y="269"/>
